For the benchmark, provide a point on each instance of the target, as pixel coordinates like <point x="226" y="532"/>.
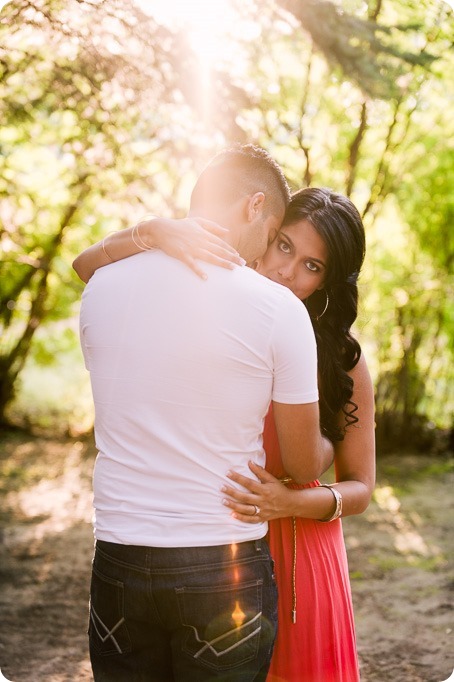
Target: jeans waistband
<point x="156" y="557"/>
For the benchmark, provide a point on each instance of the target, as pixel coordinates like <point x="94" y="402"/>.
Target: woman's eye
<point x="284" y="247"/>
<point x="312" y="266"/>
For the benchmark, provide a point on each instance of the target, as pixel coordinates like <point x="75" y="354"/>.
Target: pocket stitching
<point x="103" y="639"/>
<point x="226" y="634"/>
<point x="114" y="646"/>
<point x="222" y="664"/>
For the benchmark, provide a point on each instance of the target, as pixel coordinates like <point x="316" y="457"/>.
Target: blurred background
<point x="110" y="108"/>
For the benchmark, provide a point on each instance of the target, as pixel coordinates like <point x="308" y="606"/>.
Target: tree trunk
<point x="12" y="362"/>
<point x="354" y="151"/>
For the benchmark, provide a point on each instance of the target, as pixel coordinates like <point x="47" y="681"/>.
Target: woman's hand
<point x="192" y="239"/>
<point x="187" y="240"/>
<point x="272" y="499"/>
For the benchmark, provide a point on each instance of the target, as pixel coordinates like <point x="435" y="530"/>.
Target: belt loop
<point x="148" y="559"/>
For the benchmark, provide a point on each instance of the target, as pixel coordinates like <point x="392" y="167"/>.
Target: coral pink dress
<point x="320" y="646"/>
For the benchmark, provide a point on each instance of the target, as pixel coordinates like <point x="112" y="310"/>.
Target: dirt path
<point x="398" y="550"/>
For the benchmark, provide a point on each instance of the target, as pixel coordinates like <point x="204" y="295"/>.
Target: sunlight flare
<point x="206" y="24"/>
<point x="238" y="616"/>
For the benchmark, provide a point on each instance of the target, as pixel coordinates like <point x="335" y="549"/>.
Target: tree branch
<point x="353" y="156"/>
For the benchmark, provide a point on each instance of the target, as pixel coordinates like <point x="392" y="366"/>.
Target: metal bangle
<point x="338" y="498"/>
<point x="144" y="244"/>
<point x="139" y="246"/>
<point x="103" y="244"/>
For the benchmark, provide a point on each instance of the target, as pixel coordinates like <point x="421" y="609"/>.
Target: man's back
<point x="183" y="372"/>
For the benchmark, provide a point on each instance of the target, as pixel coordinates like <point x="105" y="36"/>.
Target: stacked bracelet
<point x="338" y="497"/>
<point x="141" y="245"/>
<point x="103" y="244"/>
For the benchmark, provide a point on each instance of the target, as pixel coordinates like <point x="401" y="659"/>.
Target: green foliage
<point x="107" y="116"/>
<point x="373" y="55"/>
<point x="78" y="155"/>
<point x="47" y="349"/>
<point x="409" y="335"/>
<point x="430" y="211"/>
<point x="392" y="158"/>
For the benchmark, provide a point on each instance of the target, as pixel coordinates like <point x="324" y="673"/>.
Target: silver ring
<point x="257" y="510"/>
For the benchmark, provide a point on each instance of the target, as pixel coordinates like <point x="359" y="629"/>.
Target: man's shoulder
<point x="280" y="294"/>
<point x="262" y="283"/>
<point x="144" y="263"/>
<point x="250" y="290"/>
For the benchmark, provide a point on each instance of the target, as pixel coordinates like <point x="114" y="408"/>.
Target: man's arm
<point x="305" y="453"/>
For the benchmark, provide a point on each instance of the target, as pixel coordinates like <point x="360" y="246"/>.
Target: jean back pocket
<point x="107" y="629"/>
<point x="223" y="623"/>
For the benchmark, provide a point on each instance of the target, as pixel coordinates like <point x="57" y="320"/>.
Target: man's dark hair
<point x="239" y="171"/>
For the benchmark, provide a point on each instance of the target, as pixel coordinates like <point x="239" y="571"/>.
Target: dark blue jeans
<point x="189" y="614"/>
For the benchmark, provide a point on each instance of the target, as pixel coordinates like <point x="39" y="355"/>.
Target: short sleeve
<point x="294" y="353"/>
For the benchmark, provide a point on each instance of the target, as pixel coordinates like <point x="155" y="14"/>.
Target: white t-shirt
<point x="182" y="373"/>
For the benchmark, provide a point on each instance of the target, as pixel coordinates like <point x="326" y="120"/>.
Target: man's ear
<point x="255" y="206"/>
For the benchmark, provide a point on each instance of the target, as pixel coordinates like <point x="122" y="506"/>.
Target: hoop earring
<point x="325" y="308"/>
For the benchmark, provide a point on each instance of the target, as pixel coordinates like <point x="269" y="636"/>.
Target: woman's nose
<point x="287" y="272"/>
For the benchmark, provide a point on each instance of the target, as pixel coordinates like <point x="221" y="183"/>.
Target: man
<point x="183" y="371"/>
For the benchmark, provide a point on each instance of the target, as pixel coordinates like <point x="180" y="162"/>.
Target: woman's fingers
<point x="219" y="257"/>
<point x="269" y="495"/>
<point x="194" y="265"/>
<point x="248" y="483"/>
<point x="214" y="235"/>
<point x="213" y="227"/>
<point x="244" y="503"/>
<point x="221" y="250"/>
<point x="198" y="238"/>
<point x="239" y="496"/>
<point x="212" y="232"/>
<point x="213" y="253"/>
<point x="250" y="513"/>
<point x="202" y="247"/>
<point x="262" y="474"/>
<point x="247" y="518"/>
<point x="193" y="262"/>
<point x="240" y="508"/>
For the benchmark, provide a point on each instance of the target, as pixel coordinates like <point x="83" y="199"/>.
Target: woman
<point x="318" y="254"/>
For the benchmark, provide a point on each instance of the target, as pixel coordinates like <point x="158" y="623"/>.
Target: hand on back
<point x="193" y="239"/>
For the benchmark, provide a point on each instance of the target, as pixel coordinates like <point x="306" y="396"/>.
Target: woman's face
<point x="297" y="258"/>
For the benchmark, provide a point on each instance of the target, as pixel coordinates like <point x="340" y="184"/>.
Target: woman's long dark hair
<point x="339" y="224"/>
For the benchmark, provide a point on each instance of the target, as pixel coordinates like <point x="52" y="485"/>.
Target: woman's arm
<point x="354" y="464"/>
<point x="187" y="239"/>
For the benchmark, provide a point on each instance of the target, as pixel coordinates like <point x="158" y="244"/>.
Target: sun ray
<point x="206" y="23"/>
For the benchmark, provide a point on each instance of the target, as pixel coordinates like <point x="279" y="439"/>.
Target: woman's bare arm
<point x="355" y="472"/>
<point x="188" y="239"/>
